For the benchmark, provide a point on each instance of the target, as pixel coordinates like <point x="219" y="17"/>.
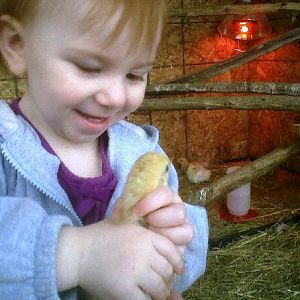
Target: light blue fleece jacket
<point x="34" y="207"/>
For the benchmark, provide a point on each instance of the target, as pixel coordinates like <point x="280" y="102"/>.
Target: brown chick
<point x="148" y="172"/>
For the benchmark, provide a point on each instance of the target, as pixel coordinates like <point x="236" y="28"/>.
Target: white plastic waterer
<point x="238" y="200"/>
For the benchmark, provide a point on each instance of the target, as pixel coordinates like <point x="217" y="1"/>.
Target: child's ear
<point x="12" y="44"/>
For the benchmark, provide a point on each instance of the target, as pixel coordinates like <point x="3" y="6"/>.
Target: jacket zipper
<point x="39" y="188"/>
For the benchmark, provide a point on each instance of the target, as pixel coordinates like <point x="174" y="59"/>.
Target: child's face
<point x="77" y="88"/>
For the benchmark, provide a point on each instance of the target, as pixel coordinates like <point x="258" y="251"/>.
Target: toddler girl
<point x="66" y="153"/>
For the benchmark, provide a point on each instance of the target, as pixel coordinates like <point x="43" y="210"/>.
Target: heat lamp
<point x="245" y="27"/>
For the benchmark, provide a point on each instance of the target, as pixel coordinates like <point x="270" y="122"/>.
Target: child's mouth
<point x="91" y="118"/>
<point x="93" y="123"/>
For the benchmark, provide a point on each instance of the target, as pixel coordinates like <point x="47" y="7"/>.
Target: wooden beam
<point x="234" y="9"/>
<point x="272" y="88"/>
<point x="240" y="59"/>
<point x="281" y="103"/>
<point x="247" y="173"/>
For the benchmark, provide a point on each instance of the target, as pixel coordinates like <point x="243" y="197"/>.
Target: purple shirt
<point x="89" y="196"/>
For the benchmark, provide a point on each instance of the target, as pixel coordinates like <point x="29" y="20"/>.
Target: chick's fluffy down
<point x="148" y="172"/>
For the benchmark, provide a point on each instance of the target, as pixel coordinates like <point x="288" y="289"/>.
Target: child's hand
<point x="123" y="261"/>
<point x="165" y="213"/>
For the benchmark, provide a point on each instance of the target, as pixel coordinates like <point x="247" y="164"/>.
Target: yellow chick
<point x="195" y="171"/>
<point x="149" y="172"/>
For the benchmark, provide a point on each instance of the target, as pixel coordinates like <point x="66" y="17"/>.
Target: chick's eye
<point x="166" y="169"/>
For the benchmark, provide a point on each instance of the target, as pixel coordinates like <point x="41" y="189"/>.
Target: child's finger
<point x="180" y="235"/>
<point x="160" y="197"/>
<point x="154" y="285"/>
<point x="181" y="249"/>
<point x="168" y="250"/>
<point x="175" y="295"/>
<point x="173" y="215"/>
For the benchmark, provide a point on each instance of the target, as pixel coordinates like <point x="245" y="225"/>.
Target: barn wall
<point x="221" y="135"/>
<point x="218" y="135"/>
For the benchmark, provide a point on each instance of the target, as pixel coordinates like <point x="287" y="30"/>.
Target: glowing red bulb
<point x="244" y="27"/>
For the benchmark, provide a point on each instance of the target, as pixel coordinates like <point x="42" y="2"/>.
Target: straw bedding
<point x="262" y="264"/>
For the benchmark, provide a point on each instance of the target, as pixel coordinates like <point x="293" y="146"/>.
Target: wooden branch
<point x="273" y="88"/>
<point x="247" y="173"/>
<point x="243" y="58"/>
<point x="234" y="9"/>
<point x="282" y="103"/>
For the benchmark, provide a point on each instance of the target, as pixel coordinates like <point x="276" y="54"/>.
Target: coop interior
<point x="221" y="102"/>
<point x="226" y="101"/>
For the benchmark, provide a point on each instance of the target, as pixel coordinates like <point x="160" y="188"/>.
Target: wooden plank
<point x="237" y="9"/>
<point x="281" y="103"/>
<point x="273" y="88"/>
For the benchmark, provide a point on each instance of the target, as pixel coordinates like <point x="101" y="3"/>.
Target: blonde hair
<point x="144" y="17"/>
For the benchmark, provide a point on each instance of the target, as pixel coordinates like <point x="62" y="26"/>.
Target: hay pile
<point x="265" y="265"/>
<point x="262" y="266"/>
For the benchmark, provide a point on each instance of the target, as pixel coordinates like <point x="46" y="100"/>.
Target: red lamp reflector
<point x="245" y="27"/>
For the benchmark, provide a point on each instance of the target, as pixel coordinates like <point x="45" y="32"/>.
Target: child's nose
<point x="113" y="93"/>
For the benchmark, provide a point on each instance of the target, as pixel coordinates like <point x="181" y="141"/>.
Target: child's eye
<point x="136" y="77"/>
<point x="87" y="68"/>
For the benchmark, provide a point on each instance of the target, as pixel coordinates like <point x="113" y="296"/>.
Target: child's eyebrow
<point x="103" y="58"/>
